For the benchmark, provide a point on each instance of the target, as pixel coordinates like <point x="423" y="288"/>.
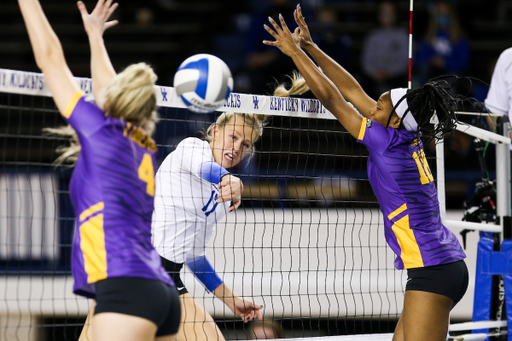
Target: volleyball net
<point x="307" y="242"/>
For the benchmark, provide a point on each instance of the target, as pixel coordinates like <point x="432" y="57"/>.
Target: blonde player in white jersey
<point x="194" y="190"/>
<point x="499" y="98"/>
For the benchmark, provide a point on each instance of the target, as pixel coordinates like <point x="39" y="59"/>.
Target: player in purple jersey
<point x="113" y="184"/>
<point x="391" y="128"/>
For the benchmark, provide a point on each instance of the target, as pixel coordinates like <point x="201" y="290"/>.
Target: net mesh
<point x="307" y="242"/>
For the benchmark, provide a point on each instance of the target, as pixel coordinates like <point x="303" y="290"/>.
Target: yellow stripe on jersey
<point x="397" y="211"/>
<point x="91" y="210"/>
<point x="92" y="244"/>
<point x="411" y="255"/>
<point x="363" y="129"/>
<point x="72" y="103"/>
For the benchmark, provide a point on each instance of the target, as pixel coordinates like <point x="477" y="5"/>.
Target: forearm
<point x="102" y="70"/>
<point x="224" y="293"/>
<point x="327" y="93"/>
<point x="45" y="44"/>
<point x="320" y="85"/>
<point x="204" y="272"/>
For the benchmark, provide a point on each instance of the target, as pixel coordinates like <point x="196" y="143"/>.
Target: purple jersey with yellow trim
<point x="112" y="190"/>
<point x="404" y="186"/>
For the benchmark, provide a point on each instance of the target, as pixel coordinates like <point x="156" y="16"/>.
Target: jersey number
<point x="425" y="173"/>
<point x="147" y="173"/>
<point x="211" y="205"/>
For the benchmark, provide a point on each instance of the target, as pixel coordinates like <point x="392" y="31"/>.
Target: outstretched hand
<point x="287" y="42"/>
<point x="302" y="31"/>
<point x="97" y="22"/>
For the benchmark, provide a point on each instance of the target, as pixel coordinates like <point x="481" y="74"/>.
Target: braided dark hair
<point x="437" y="97"/>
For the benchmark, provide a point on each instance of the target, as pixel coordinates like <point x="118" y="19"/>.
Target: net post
<point x="503" y="210"/>
<point x="503" y="175"/>
<point x="493" y="281"/>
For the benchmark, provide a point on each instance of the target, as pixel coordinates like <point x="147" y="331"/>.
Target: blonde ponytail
<point x="299" y="86"/>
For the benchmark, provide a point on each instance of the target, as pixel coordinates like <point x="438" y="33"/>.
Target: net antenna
<point x="410" y="43"/>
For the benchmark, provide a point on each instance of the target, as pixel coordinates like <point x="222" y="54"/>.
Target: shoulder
<point x="505" y="59"/>
<point x="193" y="142"/>
<point x="379" y="138"/>
<point x="507" y="53"/>
<point x="87" y="103"/>
<point x="193" y="148"/>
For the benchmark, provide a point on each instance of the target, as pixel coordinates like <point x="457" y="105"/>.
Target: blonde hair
<point x="130" y="96"/>
<point x="299" y="86"/>
<point x="258" y="121"/>
<point x="255" y="121"/>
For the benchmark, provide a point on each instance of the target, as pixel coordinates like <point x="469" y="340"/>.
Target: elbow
<point x="49" y="56"/>
<point x="327" y="100"/>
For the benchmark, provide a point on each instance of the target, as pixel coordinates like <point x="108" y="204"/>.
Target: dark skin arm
<point x="321" y="86"/>
<point x="346" y="84"/>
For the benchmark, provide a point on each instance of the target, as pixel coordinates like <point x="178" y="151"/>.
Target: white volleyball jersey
<point x="499" y="99"/>
<point x="186" y="208"/>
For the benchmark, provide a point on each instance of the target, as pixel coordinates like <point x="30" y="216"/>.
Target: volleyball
<point x="203" y="82"/>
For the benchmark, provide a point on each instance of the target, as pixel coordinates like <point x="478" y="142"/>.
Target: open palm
<point x="97" y="22"/>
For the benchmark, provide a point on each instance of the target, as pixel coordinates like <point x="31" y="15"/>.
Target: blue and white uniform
<point x="186" y="208"/>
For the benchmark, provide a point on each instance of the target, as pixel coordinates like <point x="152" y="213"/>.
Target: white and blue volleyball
<point x="203" y="82"/>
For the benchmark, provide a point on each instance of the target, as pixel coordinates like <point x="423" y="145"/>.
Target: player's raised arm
<point x="321" y="86"/>
<point x="48" y="54"/>
<point x="95" y="25"/>
<point x="346" y="84"/>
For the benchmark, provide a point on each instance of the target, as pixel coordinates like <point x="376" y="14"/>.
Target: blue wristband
<point x="211" y="171"/>
<point x="204" y="272"/>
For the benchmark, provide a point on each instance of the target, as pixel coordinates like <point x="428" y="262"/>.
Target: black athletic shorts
<point x="173" y="269"/>
<point x="450" y="280"/>
<point x="150" y="299"/>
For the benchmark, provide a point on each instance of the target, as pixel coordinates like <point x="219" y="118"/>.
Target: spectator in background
<point x="504" y="12"/>
<point x="327" y="34"/>
<point x="445" y="49"/>
<point x="385" y="59"/>
<point x="499" y="98"/>
<point x="264" y="64"/>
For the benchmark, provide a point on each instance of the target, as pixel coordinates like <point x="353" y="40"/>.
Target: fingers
<point x="111" y="10"/>
<point x="98" y="6"/>
<point x="299" y="12"/>
<point x="276" y="26"/>
<point x="82" y="8"/>
<point x="258" y="313"/>
<point x="299" y="18"/>
<point x="271" y="31"/>
<point x="236" y="204"/>
<point x="110" y="24"/>
<point x="254" y="312"/>
<point x="283" y="24"/>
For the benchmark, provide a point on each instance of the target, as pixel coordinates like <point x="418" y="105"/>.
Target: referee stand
<point x="493" y="274"/>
